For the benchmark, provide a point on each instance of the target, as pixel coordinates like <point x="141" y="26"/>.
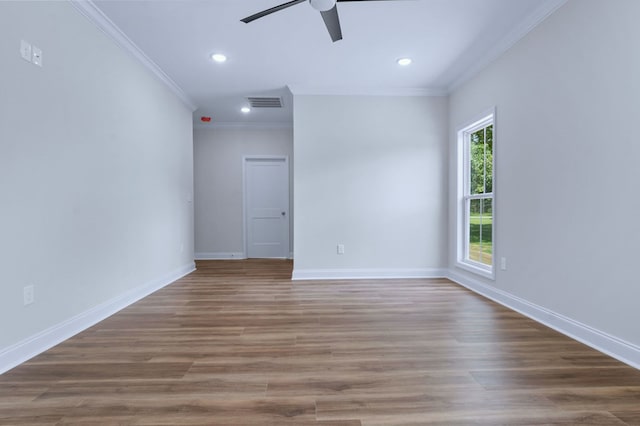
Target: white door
<point x="267" y="207"/>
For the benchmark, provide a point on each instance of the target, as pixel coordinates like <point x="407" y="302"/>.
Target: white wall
<point x="218" y="154"/>
<point x="567" y="99"/>
<point x="370" y="173"/>
<point x="95" y="172"/>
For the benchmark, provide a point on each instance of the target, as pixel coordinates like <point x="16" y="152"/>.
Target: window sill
<point x="478" y="270"/>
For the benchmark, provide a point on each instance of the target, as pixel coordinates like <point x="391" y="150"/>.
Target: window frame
<point x="463" y="261"/>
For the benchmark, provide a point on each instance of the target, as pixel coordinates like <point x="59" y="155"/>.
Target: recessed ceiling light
<point x="404" y="61"/>
<point x="218" y="57"/>
<point x="245" y="110"/>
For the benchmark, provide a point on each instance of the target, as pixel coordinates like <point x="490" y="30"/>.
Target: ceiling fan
<point x="327" y="9"/>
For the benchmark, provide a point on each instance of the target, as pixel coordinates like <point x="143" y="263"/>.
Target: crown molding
<point x="90" y="11"/>
<point x="241" y="125"/>
<point x="366" y="91"/>
<point x="543" y="11"/>
<point x="547" y="7"/>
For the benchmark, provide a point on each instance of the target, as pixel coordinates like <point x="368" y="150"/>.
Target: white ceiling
<point x="448" y="40"/>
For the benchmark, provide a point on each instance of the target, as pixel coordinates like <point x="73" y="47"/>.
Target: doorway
<point x="266" y="207"/>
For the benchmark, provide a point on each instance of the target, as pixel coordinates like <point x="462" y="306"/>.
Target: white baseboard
<point x="20" y="352"/>
<point x="218" y="256"/>
<point x="598" y="340"/>
<point x="360" y="274"/>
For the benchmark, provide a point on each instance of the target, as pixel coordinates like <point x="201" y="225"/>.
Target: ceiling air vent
<point x="263" y="102"/>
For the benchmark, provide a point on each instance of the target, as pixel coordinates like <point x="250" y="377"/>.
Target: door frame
<point x="245" y="233"/>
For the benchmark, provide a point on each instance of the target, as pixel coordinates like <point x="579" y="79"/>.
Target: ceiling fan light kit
<point x="327" y="9"/>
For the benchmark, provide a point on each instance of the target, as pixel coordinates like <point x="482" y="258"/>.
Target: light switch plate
<point x="25" y="50"/>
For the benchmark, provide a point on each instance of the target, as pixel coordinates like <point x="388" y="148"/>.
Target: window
<point x="476" y="196"/>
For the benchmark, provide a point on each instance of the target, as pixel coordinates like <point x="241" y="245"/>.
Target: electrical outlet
<point x="503" y="263"/>
<point x="28" y="294"/>
<point x="36" y="56"/>
<point x="340" y="248"/>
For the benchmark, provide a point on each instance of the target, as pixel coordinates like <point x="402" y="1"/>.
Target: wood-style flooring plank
<point x="239" y="343"/>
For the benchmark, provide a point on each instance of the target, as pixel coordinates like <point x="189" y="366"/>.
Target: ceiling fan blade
<point x="270" y="11"/>
<point x="332" y="22"/>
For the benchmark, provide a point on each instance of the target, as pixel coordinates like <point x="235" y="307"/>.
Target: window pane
<point x="488" y="160"/>
<point x="474" y="230"/>
<point x="480" y="231"/>
<point x="476" y="166"/>
<point x="486" y="234"/>
<point x="481" y="161"/>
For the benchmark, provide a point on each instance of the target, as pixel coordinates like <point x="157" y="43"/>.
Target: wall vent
<point x="264" y="102"/>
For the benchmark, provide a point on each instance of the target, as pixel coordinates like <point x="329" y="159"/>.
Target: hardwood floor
<point x="238" y="343"/>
